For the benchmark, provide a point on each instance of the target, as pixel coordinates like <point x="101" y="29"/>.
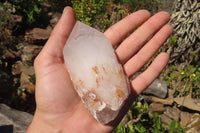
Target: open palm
<point x="59" y="108"/>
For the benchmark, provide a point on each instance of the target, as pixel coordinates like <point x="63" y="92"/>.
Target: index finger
<point x="119" y="30"/>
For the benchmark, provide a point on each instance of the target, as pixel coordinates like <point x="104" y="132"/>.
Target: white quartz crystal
<point x="95" y="72"/>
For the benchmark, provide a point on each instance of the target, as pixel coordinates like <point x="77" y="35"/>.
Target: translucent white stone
<point x="95" y="72"/>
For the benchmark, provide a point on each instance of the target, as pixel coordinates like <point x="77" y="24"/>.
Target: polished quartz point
<point x="95" y="72"/>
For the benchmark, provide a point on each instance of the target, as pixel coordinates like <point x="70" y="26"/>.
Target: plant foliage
<point x="185" y="81"/>
<point x="30" y="9"/>
<point x="141" y="122"/>
<point x="87" y="10"/>
<point x="6" y="21"/>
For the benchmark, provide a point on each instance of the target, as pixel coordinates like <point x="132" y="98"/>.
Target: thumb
<point x="54" y="46"/>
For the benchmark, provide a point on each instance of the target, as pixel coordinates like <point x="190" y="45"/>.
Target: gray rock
<point x="55" y="18"/>
<point x="29" y="53"/>
<point x="20" y="67"/>
<point x="158" y="88"/>
<point x="11" y="119"/>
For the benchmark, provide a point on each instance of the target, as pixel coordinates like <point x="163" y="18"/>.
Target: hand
<point x="59" y="108"/>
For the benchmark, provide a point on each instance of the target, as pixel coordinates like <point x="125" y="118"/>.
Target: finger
<point x="148" y="76"/>
<point x="119" y="30"/>
<point x="138" y="61"/>
<point x="136" y="40"/>
<point x="60" y="33"/>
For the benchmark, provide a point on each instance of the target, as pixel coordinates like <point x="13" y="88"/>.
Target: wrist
<point x="40" y="124"/>
<point x="44" y="122"/>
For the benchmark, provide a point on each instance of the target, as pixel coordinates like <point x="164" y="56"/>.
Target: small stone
<point x="95" y="72"/>
<point x="185" y="118"/>
<point x="26" y="84"/>
<point x="194" y="125"/>
<point x="157" y="88"/>
<point x="165" y="119"/>
<point x="20" y="67"/>
<point x="17" y="18"/>
<point x="55" y="18"/>
<point x="156" y="108"/>
<point x="172" y="113"/>
<point x="37" y="36"/>
<point x="50" y="14"/>
<point x="10" y="54"/>
<point x="8" y="31"/>
<point x="29" y="53"/>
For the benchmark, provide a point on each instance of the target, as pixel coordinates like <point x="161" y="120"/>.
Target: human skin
<point x="58" y="107"/>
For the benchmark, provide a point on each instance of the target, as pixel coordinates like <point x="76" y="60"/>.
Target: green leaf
<point x="130" y="128"/>
<point x="173" y="40"/>
<point x="139" y="127"/>
<point x="120" y="129"/>
<point x="37" y="10"/>
<point x="32" y="79"/>
<point x="193" y="53"/>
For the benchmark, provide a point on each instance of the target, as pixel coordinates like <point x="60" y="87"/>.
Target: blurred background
<point x="25" y="26"/>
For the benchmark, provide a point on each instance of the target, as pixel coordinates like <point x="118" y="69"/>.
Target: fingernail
<point x="65" y="9"/>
